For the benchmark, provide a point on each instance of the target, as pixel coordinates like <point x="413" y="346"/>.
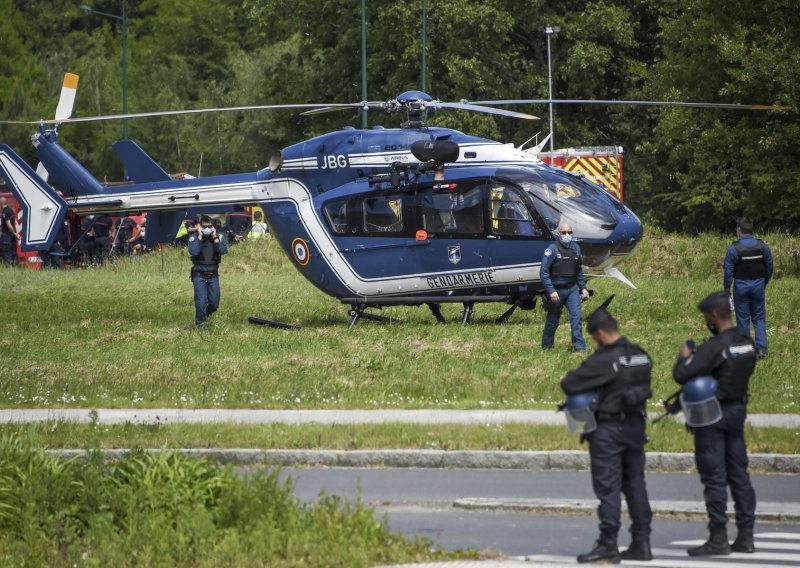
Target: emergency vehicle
<point x="599" y="164"/>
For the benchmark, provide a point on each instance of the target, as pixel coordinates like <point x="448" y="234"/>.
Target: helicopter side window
<point x="336" y="214"/>
<point x="509" y="213"/>
<point x="453" y="212"/>
<point x="383" y="214"/>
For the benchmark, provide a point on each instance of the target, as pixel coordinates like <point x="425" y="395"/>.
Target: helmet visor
<point x="702" y="413"/>
<point x="581" y="420"/>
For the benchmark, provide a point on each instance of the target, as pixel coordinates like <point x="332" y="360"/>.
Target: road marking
<point x="785" y="536"/>
<point x="676" y="557"/>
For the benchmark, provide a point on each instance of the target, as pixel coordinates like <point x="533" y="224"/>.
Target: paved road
<point x="418" y="502"/>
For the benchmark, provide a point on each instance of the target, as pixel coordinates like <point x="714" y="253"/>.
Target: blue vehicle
<point x="377" y="217"/>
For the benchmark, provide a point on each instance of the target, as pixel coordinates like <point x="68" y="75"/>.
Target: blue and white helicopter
<point x="417" y="215"/>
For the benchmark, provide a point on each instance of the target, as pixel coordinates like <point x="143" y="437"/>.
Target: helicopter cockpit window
<point x="509" y="213"/>
<point x="562" y="198"/>
<point x="453" y="211"/>
<point x="383" y="214"/>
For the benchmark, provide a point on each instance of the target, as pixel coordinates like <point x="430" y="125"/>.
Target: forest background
<point x="686" y="169"/>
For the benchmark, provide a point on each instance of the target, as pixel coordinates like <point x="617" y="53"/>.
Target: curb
<point x="164" y="416"/>
<point x="765" y="512"/>
<point x="571" y="460"/>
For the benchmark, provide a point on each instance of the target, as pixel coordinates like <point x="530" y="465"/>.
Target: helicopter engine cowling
<point x="442" y="151"/>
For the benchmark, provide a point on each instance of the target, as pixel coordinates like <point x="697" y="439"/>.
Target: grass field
<point x="116" y="337"/>
<point x="667" y="436"/>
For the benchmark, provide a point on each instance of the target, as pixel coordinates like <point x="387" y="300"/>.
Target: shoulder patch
<point x="548" y="251"/>
<point x="191" y="239"/>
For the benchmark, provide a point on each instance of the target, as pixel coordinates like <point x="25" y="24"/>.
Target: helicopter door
<point x="517" y="236"/>
<point x="453" y="217"/>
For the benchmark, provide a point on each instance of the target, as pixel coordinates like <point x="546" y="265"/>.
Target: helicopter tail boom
<point x="42" y="207"/>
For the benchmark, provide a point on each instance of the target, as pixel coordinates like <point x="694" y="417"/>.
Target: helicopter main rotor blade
<point x="634" y="103"/>
<point x="476" y="108"/>
<point x="179" y="112"/>
<point x="364" y="105"/>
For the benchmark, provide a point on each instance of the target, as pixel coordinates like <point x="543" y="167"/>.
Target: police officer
<point x="562" y="277"/>
<point x="206" y="247"/>
<point x="8" y="233"/>
<point x="719" y="449"/>
<point x="238" y="224"/>
<point x="748" y="265"/>
<point x="620" y="372"/>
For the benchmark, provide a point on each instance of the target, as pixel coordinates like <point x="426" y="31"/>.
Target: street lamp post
<point x="550" y="30"/>
<point x="124" y="19"/>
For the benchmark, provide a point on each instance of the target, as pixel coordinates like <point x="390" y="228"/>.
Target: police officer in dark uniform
<point x="720" y="451"/>
<point x="8" y="233"/>
<point x="206" y="248"/>
<point x="620" y="372"/>
<point x="748" y="265"/>
<point x="562" y="276"/>
<point x="54" y="256"/>
<point x="238" y="224"/>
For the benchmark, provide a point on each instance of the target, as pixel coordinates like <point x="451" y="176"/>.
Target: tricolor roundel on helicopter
<point x="300" y="251"/>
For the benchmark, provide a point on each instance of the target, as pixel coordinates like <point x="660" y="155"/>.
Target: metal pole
<point x="124" y="69"/>
<point x="424" y="42"/>
<point x="550" y="88"/>
<point x="364" y="117"/>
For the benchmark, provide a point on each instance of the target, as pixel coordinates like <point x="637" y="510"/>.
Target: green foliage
<point x="685" y="168"/>
<point x="165" y="509"/>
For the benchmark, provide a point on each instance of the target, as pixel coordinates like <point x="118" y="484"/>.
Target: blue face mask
<point x="207" y="231"/>
<point x="566" y="240"/>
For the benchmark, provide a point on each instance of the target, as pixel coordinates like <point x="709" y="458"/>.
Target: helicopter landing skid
<point x="507" y="314"/>
<point x="466" y="313"/>
<point x="269" y="323"/>
<point x="358" y="312"/>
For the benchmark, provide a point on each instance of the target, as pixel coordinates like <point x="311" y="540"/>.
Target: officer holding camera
<point x="206" y="248"/>
<point x="720" y="453"/>
<point x="620" y="373"/>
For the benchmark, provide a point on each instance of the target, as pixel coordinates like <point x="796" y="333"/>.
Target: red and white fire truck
<point x="600" y="164"/>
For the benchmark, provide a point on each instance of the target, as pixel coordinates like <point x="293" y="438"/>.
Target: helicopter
<point x="377" y="217"/>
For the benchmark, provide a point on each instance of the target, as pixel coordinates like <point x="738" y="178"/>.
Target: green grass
<point x="117" y="337"/>
<point x="665" y="437"/>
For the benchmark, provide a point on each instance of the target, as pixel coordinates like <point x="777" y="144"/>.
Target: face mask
<point x="207" y="231"/>
<point x="711" y="327"/>
<point x="566" y="240"/>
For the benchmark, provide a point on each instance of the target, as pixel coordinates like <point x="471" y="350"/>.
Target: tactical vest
<point x="629" y="391"/>
<point x="568" y="265"/>
<point x="208" y="253"/>
<point x="734" y="374"/>
<point x="751" y="265"/>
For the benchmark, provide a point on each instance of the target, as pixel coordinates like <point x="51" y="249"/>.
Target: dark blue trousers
<point x="721" y="458"/>
<point x="571" y="298"/>
<point x="616" y="451"/>
<point x="206" y="297"/>
<point x="749" y="300"/>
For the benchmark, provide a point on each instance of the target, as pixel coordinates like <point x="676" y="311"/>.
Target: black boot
<point x="605" y="550"/>
<point x="638" y="550"/>
<point x="744" y="541"/>
<point x="716" y="545"/>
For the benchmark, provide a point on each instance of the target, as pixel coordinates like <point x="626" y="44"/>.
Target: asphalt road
<point x="418" y="502"/>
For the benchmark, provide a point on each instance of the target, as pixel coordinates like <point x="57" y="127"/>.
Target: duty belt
<point x="618" y="416"/>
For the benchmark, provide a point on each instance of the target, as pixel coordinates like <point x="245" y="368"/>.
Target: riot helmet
<point x="579" y="410"/>
<point x="699" y="402"/>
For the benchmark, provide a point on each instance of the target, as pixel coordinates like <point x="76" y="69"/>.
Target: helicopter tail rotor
<point x="66" y="104"/>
